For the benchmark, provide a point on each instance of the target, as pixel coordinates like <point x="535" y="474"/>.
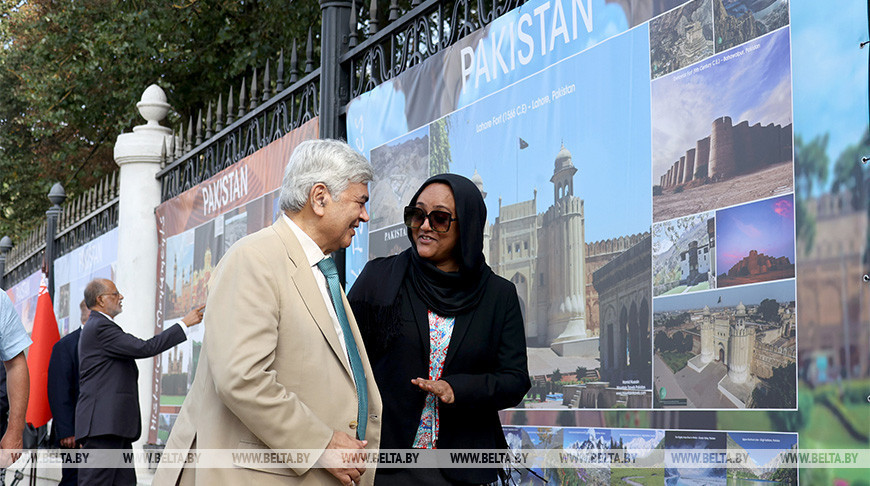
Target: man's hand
<point x="194" y="317"/>
<point x="18" y="387"/>
<point x="331" y="459"/>
<point x="68" y="442"/>
<point x="440" y="388"/>
<point x="10" y="447"/>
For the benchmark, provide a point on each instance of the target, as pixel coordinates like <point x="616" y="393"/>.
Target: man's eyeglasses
<point x="438" y="220"/>
<point x="116" y="294"/>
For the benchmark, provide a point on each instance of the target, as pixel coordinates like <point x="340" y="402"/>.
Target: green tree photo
<point x="810" y="173"/>
<point x="439" y="137"/>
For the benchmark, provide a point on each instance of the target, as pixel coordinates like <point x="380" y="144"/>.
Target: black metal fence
<point x="68" y="225"/>
<point x="362" y="44"/>
<point x="356" y="55"/>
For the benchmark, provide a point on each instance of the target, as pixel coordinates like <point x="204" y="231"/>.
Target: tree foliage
<point x="778" y="391"/>
<point x="768" y="309"/>
<point x="440" y="152"/>
<point x="72" y="71"/>
<point x="810" y="171"/>
<point x="849" y="172"/>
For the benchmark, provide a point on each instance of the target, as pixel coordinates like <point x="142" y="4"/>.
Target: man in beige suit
<point x="277" y="369"/>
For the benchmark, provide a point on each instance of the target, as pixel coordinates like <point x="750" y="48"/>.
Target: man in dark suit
<point x="63" y="392"/>
<point x="107" y="411"/>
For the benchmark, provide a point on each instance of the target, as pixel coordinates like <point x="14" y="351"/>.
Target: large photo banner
<point x="195" y="230"/>
<point x="631" y="169"/>
<point x="73" y="271"/>
<point x="603" y="455"/>
<point x="24" y="295"/>
<point x="709" y="154"/>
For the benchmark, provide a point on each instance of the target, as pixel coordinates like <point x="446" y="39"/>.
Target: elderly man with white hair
<point x="283" y="365"/>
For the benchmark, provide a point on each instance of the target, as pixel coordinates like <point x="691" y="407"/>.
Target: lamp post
<point x="5" y="246"/>
<point x="57" y="196"/>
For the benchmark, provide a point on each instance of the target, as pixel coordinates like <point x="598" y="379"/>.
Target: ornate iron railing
<point x="409" y="38"/>
<point x="82" y="219"/>
<point x="259" y="115"/>
<point x="88" y="216"/>
<point x="264" y="111"/>
<point x="25" y="257"/>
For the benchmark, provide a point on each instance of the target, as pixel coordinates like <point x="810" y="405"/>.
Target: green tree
<point x="769" y="310"/>
<point x="72" y="71"/>
<point x="810" y="171"/>
<point x="677" y="342"/>
<point x="662" y="341"/>
<point x="778" y="391"/>
<point x="439" y="143"/>
<point x="849" y="172"/>
<point x="688" y="340"/>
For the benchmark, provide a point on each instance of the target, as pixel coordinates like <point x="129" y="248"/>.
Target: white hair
<point x="331" y="162"/>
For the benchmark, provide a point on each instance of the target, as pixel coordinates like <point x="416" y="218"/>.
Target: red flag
<point x="44" y="335"/>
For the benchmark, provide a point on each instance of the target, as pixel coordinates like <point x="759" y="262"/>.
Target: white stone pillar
<point x="139" y="155"/>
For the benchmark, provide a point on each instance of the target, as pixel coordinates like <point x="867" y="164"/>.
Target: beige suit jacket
<point x="272" y="374"/>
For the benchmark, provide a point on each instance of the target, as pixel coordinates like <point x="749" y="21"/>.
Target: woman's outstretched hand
<point x="440" y="388"/>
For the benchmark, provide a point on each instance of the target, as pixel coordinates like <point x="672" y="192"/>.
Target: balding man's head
<point x="102" y="295"/>
<point x="94" y="288"/>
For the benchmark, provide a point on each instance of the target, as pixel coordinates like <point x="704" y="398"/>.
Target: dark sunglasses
<point x="438" y="220"/>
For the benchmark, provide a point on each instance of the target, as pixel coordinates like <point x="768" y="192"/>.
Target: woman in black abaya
<point x="444" y="334"/>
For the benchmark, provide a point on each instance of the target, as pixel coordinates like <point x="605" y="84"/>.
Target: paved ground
<point x="665" y="378"/>
<point x="50" y="476"/>
<point x="699" y="389"/>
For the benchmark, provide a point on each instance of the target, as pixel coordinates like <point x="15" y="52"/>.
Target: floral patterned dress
<point x="440" y="330"/>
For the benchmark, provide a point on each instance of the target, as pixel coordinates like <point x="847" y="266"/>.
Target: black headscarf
<point x="374" y="296"/>
<point x="452" y="293"/>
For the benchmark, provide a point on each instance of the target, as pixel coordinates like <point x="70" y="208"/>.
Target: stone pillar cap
<point x="153" y="106"/>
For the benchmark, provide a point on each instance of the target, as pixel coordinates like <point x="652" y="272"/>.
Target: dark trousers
<point x="69" y="476"/>
<point x="417" y="477"/>
<point x="122" y="475"/>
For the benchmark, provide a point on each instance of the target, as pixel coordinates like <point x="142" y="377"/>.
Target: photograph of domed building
<point x="582" y="302"/>
<point x="730" y="348"/>
<point x="543" y="254"/>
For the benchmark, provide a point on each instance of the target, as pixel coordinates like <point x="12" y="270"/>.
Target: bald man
<point x="107" y="411"/>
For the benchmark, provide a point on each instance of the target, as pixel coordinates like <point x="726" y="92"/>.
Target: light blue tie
<point x="327" y="266"/>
